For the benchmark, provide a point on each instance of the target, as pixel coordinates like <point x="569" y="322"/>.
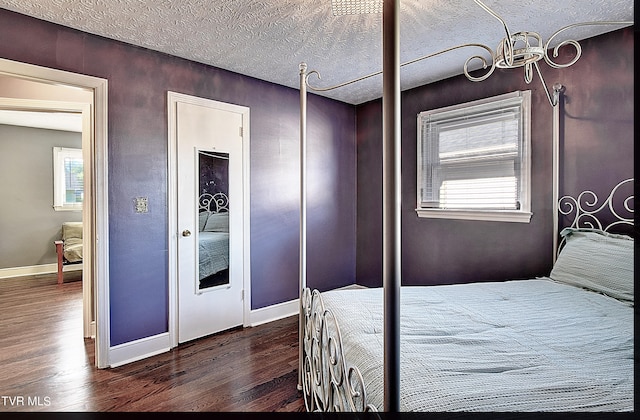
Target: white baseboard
<point x="150" y="346"/>
<point x="28" y="270"/>
<point x="283" y="310"/>
<point x="33" y="270"/>
<point x="274" y="312"/>
<point x="352" y="287"/>
<point x="139" y="349"/>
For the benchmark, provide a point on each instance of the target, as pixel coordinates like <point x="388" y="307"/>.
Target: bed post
<point x="391" y="202"/>
<point x="303" y="212"/>
<point x="557" y="91"/>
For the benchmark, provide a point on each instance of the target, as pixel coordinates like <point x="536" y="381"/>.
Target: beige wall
<point x="28" y="222"/>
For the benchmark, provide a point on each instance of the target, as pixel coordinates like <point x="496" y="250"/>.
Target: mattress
<point x="525" y="345"/>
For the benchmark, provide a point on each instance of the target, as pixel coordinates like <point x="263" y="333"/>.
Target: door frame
<point x="172" y="99"/>
<point x="98" y="189"/>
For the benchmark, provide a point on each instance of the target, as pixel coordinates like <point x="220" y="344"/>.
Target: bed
<point x="559" y="343"/>
<point x="213" y="234"/>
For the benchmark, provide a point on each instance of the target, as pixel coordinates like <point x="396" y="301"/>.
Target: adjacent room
<point x="226" y="158"/>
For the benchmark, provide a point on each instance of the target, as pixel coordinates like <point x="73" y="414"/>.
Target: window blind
<point x="74" y="185"/>
<point x="471" y="158"/>
<point x="68" y="174"/>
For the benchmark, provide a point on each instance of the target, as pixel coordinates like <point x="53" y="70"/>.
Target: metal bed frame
<point x="213" y="203"/>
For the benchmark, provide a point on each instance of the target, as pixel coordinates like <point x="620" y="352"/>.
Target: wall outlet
<point x="141" y="204"/>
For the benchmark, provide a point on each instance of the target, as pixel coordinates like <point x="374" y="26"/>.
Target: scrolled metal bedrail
<point x="213" y="203"/>
<point x="328" y="382"/>
<point x="585" y="210"/>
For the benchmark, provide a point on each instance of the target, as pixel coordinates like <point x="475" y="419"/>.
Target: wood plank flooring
<point x="46" y="364"/>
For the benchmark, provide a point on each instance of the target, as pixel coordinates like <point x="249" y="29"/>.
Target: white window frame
<point x="523" y="214"/>
<point x="59" y="194"/>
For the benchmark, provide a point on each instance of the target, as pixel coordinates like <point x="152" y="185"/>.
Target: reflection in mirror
<point x="213" y="218"/>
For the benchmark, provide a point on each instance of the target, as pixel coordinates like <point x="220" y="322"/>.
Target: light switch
<point x="141" y="204"/>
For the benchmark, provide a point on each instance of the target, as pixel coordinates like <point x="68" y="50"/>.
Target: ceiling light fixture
<point x="525" y="49"/>
<point x="355" y="7"/>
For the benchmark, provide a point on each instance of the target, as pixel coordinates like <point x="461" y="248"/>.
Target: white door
<point x="210" y="219"/>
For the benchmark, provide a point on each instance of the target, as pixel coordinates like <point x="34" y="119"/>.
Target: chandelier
<point x="525" y="49"/>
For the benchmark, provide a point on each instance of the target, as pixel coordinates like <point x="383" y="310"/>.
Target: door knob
<point x="186" y="232"/>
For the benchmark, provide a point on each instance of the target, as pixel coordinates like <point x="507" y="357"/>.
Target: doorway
<point x="209" y="232"/>
<point x="72" y="120"/>
<point x="94" y="142"/>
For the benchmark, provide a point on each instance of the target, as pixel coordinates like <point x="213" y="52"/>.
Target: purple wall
<point x="137" y="145"/>
<point x="597" y="152"/>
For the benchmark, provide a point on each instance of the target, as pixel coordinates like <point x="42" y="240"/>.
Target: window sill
<point x="67" y="208"/>
<point x="493" y="215"/>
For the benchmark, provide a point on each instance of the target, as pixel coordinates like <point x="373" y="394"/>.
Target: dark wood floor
<point x="46" y="364"/>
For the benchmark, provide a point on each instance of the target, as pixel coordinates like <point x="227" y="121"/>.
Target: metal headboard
<point x="213" y="203"/>
<point x="614" y="214"/>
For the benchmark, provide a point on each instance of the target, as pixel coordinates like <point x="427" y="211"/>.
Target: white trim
<point x="34" y="270"/>
<point x="352" y="287"/>
<point x="172" y="99"/>
<point x="139" y="349"/>
<point x="492" y="215"/>
<point x="524" y="214"/>
<point x="284" y="309"/>
<point x="246" y="214"/>
<point x="273" y="312"/>
<point x="172" y="216"/>
<point x="100" y="223"/>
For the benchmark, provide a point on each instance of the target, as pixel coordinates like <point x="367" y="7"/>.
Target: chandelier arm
<point x="507" y="44"/>
<point x="552" y="100"/>
<point x="528" y="73"/>
<point x="574" y="43"/>
<point x="484" y="61"/>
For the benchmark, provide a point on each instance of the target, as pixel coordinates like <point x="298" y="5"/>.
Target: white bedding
<point x="213" y="254"/>
<point x="525" y="345"/>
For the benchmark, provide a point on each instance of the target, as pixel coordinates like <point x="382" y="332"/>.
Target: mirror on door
<point x="213" y="217"/>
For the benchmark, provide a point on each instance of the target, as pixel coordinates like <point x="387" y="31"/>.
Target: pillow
<point x="71" y="230"/>
<point x="596" y="260"/>
<point x="202" y="220"/>
<point x="217" y="222"/>
<point x="72" y="238"/>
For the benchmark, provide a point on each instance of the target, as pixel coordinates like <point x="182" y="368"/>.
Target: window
<point x="68" y="185"/>
<point x="474" y="161"/>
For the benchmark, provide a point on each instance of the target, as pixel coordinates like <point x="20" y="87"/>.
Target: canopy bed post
<point x="391" y="197"/>
<point x="303" y="213"/>
<point x="557" y="91"/>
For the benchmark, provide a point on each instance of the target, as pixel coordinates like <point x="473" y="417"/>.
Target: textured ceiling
<point x="268" y="39"/>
